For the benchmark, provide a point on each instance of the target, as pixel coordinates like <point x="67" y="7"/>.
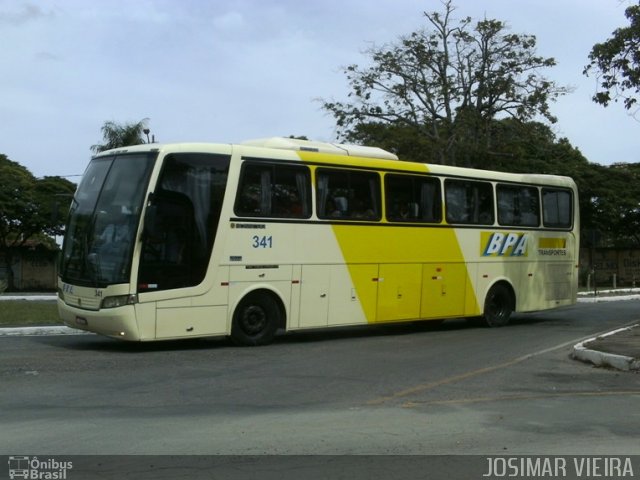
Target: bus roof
<point x="321" y="147"/>
<point x="378" y="158"/>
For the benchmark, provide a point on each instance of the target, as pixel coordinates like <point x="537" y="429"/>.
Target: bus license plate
<point x="81" y="321"/>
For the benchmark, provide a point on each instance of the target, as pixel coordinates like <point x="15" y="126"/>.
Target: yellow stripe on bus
<point x="552" y="242"/>
<point x="368" y="249"/>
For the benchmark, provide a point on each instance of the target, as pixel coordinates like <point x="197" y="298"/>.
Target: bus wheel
<point x="255" y="320"/>
<point x="498" y="306"/>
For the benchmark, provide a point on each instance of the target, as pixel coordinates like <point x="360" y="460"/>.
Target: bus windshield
<point x="104" y="218"/>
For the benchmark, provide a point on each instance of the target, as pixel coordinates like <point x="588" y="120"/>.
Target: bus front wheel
<point x="498" y="306"/>
<point x="255" y="320"/>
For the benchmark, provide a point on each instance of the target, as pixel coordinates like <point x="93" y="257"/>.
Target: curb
<point x="603" y="359"/>
<point x="612" y="298"/>
<point x="33" y="331"/>
<point x="32" y="298"/>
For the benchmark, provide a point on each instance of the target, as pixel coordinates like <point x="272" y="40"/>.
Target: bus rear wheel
<point x="498" y="306"/>
<point x="255" y="320"/>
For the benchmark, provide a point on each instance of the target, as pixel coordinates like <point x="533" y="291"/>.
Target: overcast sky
<point x="226" y="71"/>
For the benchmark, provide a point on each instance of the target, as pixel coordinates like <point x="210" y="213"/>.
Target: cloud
<point x="47" y="56"/>
<point x="26" y="14"/>
<point x="229" y="21"/>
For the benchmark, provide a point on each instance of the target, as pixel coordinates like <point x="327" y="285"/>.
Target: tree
<point x="613" y="198"/>
<point x="446" y="84"/>
<point x="28" y="207"/>
<point x="616" y="63"/>
<point x="117" y="135"/>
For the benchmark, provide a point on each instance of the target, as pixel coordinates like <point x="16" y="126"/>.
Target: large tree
<point x="616" y="64"/>
<point x="30" y="208"/>
<point x="444" y="85"/>
<point x="116" y="135"/>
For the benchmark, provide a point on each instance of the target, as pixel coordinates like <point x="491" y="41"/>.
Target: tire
<point x="498" y="306"/>
<point x="256" y="320"/>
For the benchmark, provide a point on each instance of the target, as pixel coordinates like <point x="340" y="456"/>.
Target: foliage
<point x="115" y="135"/>
<point x="30" y="208"/>
<point x="616" y="63"/>
<point x="614" y="204"/>
<point x="445" y="85"/>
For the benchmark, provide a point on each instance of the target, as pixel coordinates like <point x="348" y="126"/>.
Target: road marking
<point x="463" y="401"/>
<point x="428" y="386"/>
<point x="423" y="387"/>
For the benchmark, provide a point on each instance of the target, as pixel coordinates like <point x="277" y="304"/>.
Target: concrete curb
<point x="31" y="298"/>
<point x="602" y="359"/>
<point x="612" y="298"/>
<point x="40" y="330"/>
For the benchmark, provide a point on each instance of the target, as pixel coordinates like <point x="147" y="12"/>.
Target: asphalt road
<point x="403" y="389"/>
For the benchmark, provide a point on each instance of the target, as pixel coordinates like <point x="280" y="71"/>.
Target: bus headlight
<point x="118" y="301"/>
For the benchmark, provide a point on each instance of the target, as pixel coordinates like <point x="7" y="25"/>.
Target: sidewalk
<point x="619" y="349"/>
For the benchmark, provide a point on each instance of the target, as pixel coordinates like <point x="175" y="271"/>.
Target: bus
<point x="170" y="241"/>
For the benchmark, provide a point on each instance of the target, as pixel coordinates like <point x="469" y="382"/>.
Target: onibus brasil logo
<point x="38" y="469"/>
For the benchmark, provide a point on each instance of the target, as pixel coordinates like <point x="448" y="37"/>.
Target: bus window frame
<point x="437" y="208"/>
<point x="472" y="221"/>
<point x="306" y="202"/>
<point x="376" y="203"/>
<point x="571" y="213"/>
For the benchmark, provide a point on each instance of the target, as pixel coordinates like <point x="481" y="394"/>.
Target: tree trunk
<point x="10" y="277"/>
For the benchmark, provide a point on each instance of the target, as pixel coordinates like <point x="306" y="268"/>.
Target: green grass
<point x="23" y="312"/>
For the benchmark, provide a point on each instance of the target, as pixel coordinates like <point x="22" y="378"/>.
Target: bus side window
<point x="412" y="198"/>
<point x="518" y="205"/>
<point x="273" y="190"/>
<point x="557" y="208"/>
<point x="469" y="202"/>
<point x="347" y="194"/>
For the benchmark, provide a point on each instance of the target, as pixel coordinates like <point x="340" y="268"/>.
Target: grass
<point x="18" y="313"/>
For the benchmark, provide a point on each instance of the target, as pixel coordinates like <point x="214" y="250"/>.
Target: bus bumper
<point x="117" y="322"/>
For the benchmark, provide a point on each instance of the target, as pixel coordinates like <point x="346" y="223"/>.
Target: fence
<point x="611" y="267"/>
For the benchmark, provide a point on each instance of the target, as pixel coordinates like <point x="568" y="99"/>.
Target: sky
<point x="232" y="70"/>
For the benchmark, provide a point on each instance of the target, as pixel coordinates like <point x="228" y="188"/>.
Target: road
<point x="401" y="389"/>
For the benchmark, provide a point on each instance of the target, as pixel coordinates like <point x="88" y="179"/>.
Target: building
<point x="34" y="267"/>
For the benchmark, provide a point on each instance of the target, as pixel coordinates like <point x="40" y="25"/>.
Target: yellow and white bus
<point x="191" y="240"/>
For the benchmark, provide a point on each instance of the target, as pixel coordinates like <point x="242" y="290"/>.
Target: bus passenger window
<point x="346" y="194"/>
<point x="411" y="198"/>
<point x="518" y="206"/>
<point x="469" y="202"/>
<point x="273" y="190"/>
<point x="557" y="208"/>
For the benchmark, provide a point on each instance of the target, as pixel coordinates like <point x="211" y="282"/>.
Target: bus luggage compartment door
<point x="399" y="292"/>
<point x="443" y="290"/>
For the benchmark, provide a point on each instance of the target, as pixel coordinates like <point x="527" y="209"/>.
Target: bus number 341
<point x="262" y="241"/>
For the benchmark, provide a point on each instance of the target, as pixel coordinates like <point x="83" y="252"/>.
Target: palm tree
<point x="117" y="135"/>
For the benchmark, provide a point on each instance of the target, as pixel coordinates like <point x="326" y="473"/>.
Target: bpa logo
<point x="499" y="244"/>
